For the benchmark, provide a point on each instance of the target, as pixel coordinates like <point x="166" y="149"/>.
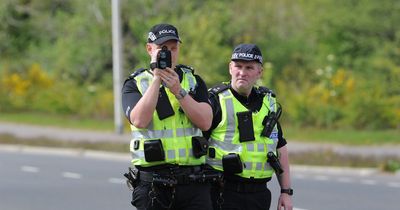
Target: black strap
<point x="180" y="175"/>
<point x="219" y="88"/>
<point x="264" y="91"/>
<point x="181" y="66"/>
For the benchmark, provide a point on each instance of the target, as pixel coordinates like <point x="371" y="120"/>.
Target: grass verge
<point x="341" y="136"/>
<point x="317" y="158"/>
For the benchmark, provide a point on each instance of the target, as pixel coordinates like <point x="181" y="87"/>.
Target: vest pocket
<point x="153" y="150"/>
<point x="232" y="163"/>
<point x="199" y="146"/>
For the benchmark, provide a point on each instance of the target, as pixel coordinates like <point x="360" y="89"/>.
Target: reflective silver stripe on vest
<point x="272" y="147"/>
<point x="182" y="152"/>
<point x="260" y="148"/>
<point x="144" y="84"/>
<point x="259" y="166"/>
<point x="250" y="147"/>
<point x="167" y="133"/>
<point x="138" y="154"/>
<point x="152" y="134"/>
<point x="230" y="127"/>
<point x="271" y="103"/>
<point x="171" y="154"/>
<point x="214" y="162"/>
<point x="190" y="78"/>
<point x="188" y="132"/>
<point x="248" y="166"/>
<point x="226" y="146"/>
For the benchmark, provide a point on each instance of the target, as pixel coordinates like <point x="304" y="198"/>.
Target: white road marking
<point x="344" y="180"/>
<point x="116" y="180"/>
<point x="393" y="184"/>
<point x="321" y="178"/>
<point x="71" y="175"/>
<point x="299" y="176"/>
<point x="30" y="169"/>
<point x="368" y="182"/>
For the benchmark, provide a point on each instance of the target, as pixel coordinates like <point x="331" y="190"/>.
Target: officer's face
<point x="172" y="45"/>
<point x="244" y="74"/>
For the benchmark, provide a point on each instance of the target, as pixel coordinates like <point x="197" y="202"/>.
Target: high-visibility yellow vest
<point x="225" y="137"/>
<point x="175" y="132"/>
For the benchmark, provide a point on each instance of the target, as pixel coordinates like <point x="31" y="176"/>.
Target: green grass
<point x="341" y="136"/>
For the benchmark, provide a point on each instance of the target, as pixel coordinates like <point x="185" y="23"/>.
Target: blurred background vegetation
<point x="334" y="64"/>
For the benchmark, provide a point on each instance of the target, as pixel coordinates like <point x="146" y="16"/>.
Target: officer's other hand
<point x="285" y="202"/>
<point x="170" y="79"/>
<point x="154" y="55"/>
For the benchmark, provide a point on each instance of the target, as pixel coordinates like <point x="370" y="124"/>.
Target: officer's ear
<point x="150" y="47"/>
<point x="231" y="63"/>
<point x="260" y="70"/>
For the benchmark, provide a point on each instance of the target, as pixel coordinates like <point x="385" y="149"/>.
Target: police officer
<point x="168" y="108"/>
<point x="246" y="141"/>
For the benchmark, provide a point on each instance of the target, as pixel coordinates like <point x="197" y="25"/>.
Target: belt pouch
<point x="153" y="150"/>
<point x="199" y="146"/>
<point x="232" y="163"/>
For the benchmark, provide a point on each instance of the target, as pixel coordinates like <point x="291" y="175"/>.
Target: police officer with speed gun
<point x="167" y="106"/>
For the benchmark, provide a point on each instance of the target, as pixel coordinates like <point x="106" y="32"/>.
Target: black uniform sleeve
<point x="216" y="109"/>
<point x="281" y="140"/>
<point x="130" y="96"/>
<point x="201" y="94"/>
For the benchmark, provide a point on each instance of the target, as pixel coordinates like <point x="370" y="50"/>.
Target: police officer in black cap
<point x="167" y="106"/>
<point x="246" y="139"/>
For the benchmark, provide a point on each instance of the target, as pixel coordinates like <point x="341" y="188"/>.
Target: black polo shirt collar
<point x="253" y="102"/>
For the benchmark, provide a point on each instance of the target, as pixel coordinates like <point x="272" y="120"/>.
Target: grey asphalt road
<point x="61" y="181"/>
<point x="36" y="179"/>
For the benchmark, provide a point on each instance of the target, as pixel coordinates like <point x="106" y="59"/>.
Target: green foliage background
<point x="332" y="63"/>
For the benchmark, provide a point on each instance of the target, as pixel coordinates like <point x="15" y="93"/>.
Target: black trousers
<point x="241" y="198"/>
<point x="193" y="196"/>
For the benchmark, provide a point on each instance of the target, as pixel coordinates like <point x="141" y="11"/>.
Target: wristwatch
<point x="288" y="191"/>
<point x="182" y="93"/>
<point x="153" y="65"/>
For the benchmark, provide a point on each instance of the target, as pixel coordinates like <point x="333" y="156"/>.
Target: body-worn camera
<point x="164" y="58"/>
<point x="270" y="121"/>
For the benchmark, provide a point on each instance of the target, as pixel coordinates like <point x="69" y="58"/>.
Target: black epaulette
<point x="185" y="68"/>
<point x="264" y="90"/>
<point x="219" y="88"/>
<point x="135" y="73"/>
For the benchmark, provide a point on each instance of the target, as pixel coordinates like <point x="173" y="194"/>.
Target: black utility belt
<point x="154" y="150"/>
<point x="179" y="179"/>
<point x="245" y="187"/>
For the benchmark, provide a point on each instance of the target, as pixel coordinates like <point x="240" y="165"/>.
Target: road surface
<point x="36" y="179"/>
